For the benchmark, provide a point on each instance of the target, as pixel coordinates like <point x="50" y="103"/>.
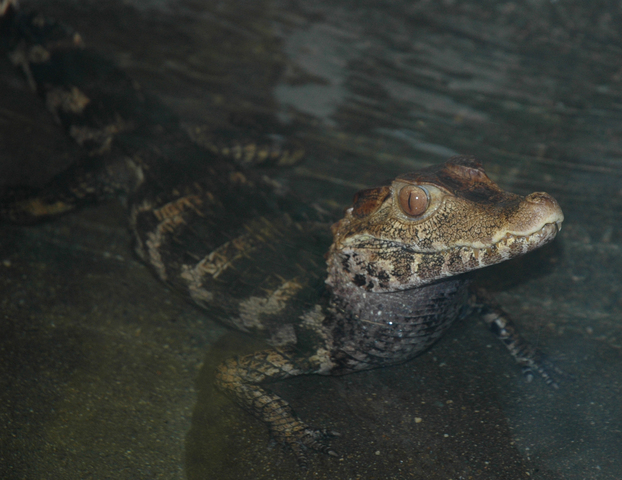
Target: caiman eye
<point x="413" y="200"/>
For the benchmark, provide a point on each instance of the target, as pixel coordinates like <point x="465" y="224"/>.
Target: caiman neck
<point x="371" y="329"/>
<point x="341" y="285"/>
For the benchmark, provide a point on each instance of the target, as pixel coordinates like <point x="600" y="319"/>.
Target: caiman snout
<point x="547" y="204"/>
<point x="536" y="210"/>
<point x="543" y="197"/>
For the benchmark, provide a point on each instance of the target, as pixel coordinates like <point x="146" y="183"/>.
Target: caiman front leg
<point x="240" y="379"/>
<point x="502" y="326"/>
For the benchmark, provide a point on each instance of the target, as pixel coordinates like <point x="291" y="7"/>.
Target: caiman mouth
<point x="548" y="228"/>
<point x="426" y="267"/>
<point x="509" y="246"/>
<point x="535" y="239"/>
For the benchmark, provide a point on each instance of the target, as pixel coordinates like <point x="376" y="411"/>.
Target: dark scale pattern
<point x="379" y="329"/>
<point x="401" y="268"/>
<point x="431" y="266"/>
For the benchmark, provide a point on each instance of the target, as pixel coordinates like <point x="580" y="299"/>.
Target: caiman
<point x="376" y="289"/>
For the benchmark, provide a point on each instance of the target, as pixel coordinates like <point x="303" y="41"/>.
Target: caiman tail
<point x="127" y="136"/>
<point x="98" y="105"/>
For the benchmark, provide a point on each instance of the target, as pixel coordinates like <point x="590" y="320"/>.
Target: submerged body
<point x="377" y="288"/>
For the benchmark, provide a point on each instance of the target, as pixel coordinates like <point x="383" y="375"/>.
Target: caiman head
<point x="438" y="222"/>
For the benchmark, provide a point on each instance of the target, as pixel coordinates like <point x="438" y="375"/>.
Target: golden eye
<point x="413" y="200"/>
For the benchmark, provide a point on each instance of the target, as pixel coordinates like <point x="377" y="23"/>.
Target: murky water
<point x="106" y="374"/>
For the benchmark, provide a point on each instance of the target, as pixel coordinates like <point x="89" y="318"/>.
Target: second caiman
<point x="376" y="289"/>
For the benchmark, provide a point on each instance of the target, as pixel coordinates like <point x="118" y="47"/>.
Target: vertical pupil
<point x="413" y="200"/>
<point x="412" y="197"/>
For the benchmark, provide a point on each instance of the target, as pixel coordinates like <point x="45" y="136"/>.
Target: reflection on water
<point x="106" y="373"/>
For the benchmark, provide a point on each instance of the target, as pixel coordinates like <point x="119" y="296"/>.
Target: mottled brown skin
<point x="377" y="289"/>
<point x="396" y="283"/>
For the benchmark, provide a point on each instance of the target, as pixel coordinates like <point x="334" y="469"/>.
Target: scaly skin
<point x="232" y="241"/>
<point x="396" y="282"/>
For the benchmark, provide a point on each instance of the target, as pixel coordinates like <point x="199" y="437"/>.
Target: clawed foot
<point x="540" y="363"/>
<point x="301" y="438"/>
<point x="530" y="358"/>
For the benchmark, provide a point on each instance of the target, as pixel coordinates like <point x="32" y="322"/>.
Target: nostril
<point x="540" y="197"/>
<point x="544" y="206"/>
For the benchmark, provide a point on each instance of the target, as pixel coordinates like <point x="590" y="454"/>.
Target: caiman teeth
<point x="481" y="252"/>
<point x="508" y="236"/>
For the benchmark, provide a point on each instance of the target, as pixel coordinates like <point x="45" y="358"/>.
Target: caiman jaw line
<point x="526" y="240"/>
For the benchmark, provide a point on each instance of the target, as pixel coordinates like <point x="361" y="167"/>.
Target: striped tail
<point x="128" y="138"/>
<point x="98" y="105"/>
